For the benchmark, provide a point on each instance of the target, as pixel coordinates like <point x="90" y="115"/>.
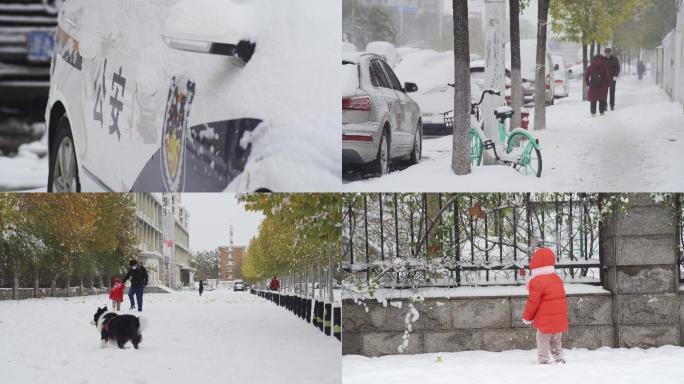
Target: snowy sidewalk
<point x="663" y="365"/>
<point x="221" y="337"/>
<point x="637" y="148"/>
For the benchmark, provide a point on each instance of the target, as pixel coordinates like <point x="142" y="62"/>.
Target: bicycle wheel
<point x="476" y="148"/>
<point x="529" y="158"/>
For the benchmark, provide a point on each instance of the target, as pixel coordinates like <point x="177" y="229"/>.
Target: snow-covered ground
<point x="28" y="170"/>
<point x="637" y="148"/>
<point x="221" y="337"/>
<point x="663" y="365"/>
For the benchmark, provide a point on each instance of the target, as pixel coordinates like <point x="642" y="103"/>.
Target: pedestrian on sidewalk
<point x="614" y="69"/>
<point x="275" y="284"/>
<point x="116" y="293"/>
<point x="641" y="69"/>
<point x="201" y="287"/>
<point x="546" y="308"/>
<point x="598" y="80"/>
<point x="138" y="275"/>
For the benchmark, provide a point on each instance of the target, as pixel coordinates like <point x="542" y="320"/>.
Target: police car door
<point x="112" y="151"/>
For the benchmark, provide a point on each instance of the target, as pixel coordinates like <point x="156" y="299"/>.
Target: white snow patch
<point x="605" y="365"/>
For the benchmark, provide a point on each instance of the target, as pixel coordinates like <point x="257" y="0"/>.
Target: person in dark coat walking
<point x="138" y="275"/>
<point x="641" y="69"/>
<point x="614" y="68"/>
<point x="201" y="288"/>
<point x="598" y="80"/>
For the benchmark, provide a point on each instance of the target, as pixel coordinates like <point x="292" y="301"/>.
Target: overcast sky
<point x="210" y="217"/>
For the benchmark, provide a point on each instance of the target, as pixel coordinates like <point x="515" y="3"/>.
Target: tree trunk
<point x="68" y="285"/>
<point x="516" y="76"/>
<point x="460" y="156"/>
<point x="15" y="283"/>
<point x="593" y="49"/>
<point x="585" y="65"/>
<point x="540" y="79"/>
<point x="36" y="285"/>
<point x="53" y="285"/>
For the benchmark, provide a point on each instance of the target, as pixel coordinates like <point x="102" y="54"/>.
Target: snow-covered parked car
<point x="239" y="285"/>
<point x="560" y="77"/>
<point x="194" y="95"/>
<point x="387" y="51"/>
<point x="528" y="53"/>
<point x="380" y="121"/>
<point x="433" y="72"/>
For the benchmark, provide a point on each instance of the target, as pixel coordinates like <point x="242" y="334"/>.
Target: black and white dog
<point x="119" y="328"/>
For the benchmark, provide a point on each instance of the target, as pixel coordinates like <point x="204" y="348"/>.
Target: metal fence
<point x="395" y="240"/>
<point x="679" y="206"/>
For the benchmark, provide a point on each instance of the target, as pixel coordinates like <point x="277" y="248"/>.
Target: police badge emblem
<point x="175" y="133"/>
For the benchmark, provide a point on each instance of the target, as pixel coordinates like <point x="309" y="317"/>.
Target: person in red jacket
<point x="275" y="284"/>
<point x="546" y="308"/>
<point x="116" y="293"/>
<point x="598" y="79"/>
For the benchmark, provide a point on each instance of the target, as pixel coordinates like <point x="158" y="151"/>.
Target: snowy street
<point x="28" y="170"/>
<point x="656" y="365"/>
<point x="221" y="337"/>
<point x="636" y="148"/>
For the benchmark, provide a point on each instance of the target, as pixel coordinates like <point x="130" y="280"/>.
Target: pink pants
<point x="549" y="342"/>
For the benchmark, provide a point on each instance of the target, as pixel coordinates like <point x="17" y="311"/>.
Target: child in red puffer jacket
<point x="546" y="308"/>
<point x="116" y="293"/>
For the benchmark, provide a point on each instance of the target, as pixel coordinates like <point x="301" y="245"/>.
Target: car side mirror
<point x="556" y="67"/>
<point x="410" y="87"/>
<point x="217" y="27"/>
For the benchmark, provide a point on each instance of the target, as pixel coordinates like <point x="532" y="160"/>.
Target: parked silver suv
<point x="380" y="122"/>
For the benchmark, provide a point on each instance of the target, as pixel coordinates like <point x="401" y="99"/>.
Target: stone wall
<point x="468" y="323"/>
<point x="642" y="272"/>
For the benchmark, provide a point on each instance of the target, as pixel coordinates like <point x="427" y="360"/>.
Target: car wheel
<point x="417" y="152"/>
<point x="63" y="173"/>
<point x="381" y="164"/>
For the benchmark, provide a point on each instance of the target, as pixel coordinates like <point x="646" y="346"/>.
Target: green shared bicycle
<point x="517" y="148"/>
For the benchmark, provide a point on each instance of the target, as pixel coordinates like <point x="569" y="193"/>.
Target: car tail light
<point x="559" y="81"/>
<point x="364" y="138"/>
<point x="508" y="86"/>
<point x="362" y="103"/>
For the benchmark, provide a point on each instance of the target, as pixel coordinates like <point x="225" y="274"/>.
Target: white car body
<point x="560" y="77"/>
<point x="150" y="110"/>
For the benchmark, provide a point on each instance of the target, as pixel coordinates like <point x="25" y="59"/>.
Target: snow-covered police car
<point x="195" y="95"/>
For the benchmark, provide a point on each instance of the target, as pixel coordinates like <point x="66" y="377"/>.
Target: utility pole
<point x="495" y="67"/>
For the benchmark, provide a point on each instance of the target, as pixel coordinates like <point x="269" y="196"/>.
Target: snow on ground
<point x="26" y="171"/>
<point x="221" y="337"/>
<point x="636" y="148"/>
<point x="663" y="365"/>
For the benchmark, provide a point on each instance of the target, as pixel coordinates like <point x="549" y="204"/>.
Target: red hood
<point x="542" y="257"/>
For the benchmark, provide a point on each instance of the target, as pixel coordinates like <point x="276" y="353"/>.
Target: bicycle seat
<point x="505" y="112"/>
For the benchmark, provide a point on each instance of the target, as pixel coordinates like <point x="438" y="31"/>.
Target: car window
<point x="396" y="84"/>
<point x="378" y="78"/>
